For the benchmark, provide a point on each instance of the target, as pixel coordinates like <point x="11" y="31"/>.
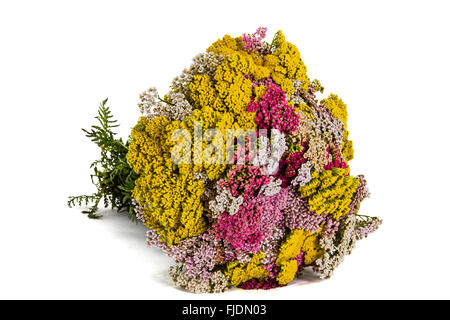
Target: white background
<point x="389" y="61"/>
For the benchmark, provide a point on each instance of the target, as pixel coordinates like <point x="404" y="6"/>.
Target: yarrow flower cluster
<point x="272" y="110"/>
<point x="255" y="42"/>
<point x="289" y="203"/>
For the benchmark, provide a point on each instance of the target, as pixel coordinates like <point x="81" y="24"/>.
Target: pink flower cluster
<point x="298" y="215"/>
<point x="253" y="222"/>
<point x="244" y="180"/>
<point x="246" y="153"/>
<point x="266" y="284"/>
<point x="254" y="42"/>
<point x="337" y="161"/>
<point x="273" y="112"/>
<point x="299" y="259"/>
<point x="198" y="254"/>
<point x="288" y="166"/>
<point x="330" y="227"/>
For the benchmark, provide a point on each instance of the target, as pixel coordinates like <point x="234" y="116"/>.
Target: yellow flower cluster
<point x="228" y="91"/>
<point x="238" y="273"/>
<point x="221" y="100"/>
<point x="227" y="46"/>
<point x="259" y="91"/>
<point x="283" y="65"/>
<point x="347" y="147"/>
<point x="330" y="191"/>
<point x="304" y="110"/>
<point x="209" y="153"/>
<point x="338" y="109"/>
<point x="297" y="241"/>
<point x="148" y="138"/>
<point x="287" y="272"/>
<point x="170" y="194"/>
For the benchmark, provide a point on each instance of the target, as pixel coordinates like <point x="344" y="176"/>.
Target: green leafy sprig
<point x="112" y="176"/>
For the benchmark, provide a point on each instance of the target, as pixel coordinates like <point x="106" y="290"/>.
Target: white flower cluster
<point x="319" y="131"/>
<point x="336" y="247"/>
<point x="270" y="246"/>
<point x="139" y="210"/>
<point x="243" y="257"/>
<point x="176" y="107"/>
<point x="296" y="97"/>
<point x="224" y="202"/>
<point x="201" y="176"/>
<point x="317" y="153"/>
<point x="216" y="282"/>
<point x="303" y="175"/>
<point x="272" y="188"/>
<point x="149" y="101"/>
<point x="179" y="108"/>
<point x="328" y="126"/>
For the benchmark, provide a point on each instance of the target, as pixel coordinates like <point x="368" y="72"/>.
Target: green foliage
<point x="112" y="176"/>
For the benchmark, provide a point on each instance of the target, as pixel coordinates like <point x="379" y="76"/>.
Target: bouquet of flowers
<point x="239" y="172"/>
